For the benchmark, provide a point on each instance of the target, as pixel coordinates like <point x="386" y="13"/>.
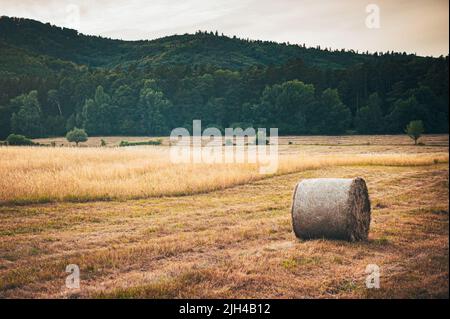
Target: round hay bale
<point x="337" y="208"/>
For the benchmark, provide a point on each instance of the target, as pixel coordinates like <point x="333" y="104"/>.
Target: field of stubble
<point x="139" y="226"/>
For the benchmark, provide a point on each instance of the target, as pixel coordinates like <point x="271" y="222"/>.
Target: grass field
<point x="138" y="226"/>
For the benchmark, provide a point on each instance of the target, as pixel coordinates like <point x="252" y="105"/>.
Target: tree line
<point x="320" y="92"/>
<point x="125" y="103"/>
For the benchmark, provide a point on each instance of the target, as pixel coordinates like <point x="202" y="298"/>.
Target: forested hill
<point x="52" y="79"/>
<point x="195" y="49"/>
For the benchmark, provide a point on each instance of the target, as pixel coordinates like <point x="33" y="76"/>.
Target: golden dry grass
<point x="30" y="174"/>
<point x="230" y="241"/>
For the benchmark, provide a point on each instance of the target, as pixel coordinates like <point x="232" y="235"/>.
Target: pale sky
<point x="415" y="26"/>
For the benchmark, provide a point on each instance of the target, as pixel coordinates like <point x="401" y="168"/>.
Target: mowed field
<point x="140" y="226"/>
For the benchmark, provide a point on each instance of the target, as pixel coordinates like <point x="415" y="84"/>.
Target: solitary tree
<point x="415" y="130"/>
<point x="77" y="135"/>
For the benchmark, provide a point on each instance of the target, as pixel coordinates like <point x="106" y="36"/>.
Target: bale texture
<point x="336" y="208"/>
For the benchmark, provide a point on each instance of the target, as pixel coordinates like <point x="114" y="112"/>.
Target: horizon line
<point x="288" y="43"/>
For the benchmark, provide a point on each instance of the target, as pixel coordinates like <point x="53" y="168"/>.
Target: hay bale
<point x="337" y="208"/>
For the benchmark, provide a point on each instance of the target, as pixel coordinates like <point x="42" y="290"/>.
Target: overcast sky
<point x="420" y="26"/>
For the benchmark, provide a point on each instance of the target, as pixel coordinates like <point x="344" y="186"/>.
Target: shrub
<point x="102" y="142"/>
<point x="15" y="139"/>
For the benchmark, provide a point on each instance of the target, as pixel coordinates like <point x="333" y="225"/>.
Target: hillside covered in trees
<point x="53" y="79"/>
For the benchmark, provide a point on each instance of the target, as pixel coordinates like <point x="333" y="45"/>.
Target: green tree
<point x="215" y="111"/>
<point x="288" y="106"/>
<point x="125" y="99"/>
<point x="53" y="99"/>
<point x="154" y="109"/>
<point x="335" y="116"/>
<point x="434" y="112"/>
<point x="369" y="118"/>
<point x="28" y="120"/>
<point x="77" y="135"/>
<point x="91" y="116"/>
<point x="54" y="125"/>
<point x="404" y="111"/>
<point x="415" y="130"/>
<point x="71" y="122"/>
<point x="99" y="115"/>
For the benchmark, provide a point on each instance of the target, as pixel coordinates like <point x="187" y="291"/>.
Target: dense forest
<point x="53" y="79"/>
